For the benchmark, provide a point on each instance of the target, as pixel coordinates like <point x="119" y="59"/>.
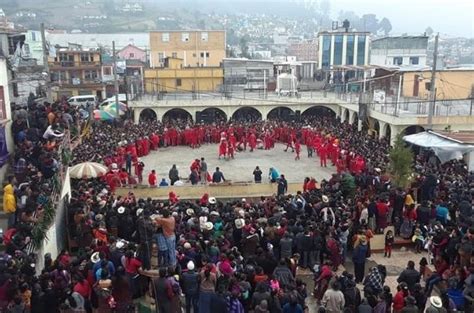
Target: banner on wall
<point x="3" y="147"/>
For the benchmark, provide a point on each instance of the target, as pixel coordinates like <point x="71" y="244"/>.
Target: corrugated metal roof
<point x="88" y="40"/>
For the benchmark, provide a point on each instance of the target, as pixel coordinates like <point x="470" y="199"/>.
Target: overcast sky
<point x="454" y="17"/>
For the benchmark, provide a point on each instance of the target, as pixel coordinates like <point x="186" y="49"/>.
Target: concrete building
<point x="195" y="48"/>
<point x="131" y="52"/>
<point x="76" y="71"/>
<point x="343" y="48"/>
<point x="399" y="51"/>
<point x="250" y="75"/>
<point x="94" y="41"/>
<point x="34" y="45"/>
<point x="174" y="77"/>
<point x="450" y="84"/>
<point x="306" y="50"/>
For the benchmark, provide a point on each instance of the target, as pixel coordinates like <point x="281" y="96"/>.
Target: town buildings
<point x="343" y="48"/>
<point x="399" y="51"/>
<point x="174" y="77"/>
<point x="196" y="48"/>
<point x="305" y="50"/>
<point x="76" y="71"/>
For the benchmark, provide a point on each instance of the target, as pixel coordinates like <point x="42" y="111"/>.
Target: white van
<point x="82" y="100"/>
<point x="121" y="98"/>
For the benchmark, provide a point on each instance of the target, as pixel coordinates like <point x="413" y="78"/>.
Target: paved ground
<point x="240" y="168"/>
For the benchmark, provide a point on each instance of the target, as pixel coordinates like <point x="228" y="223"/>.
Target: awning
<point x="444" y="148"/>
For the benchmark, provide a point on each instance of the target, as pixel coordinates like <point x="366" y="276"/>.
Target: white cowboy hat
<point x="214" y="213"/>
<point x="436" y="302"/>
<point x="95" y="257"/>
<point x="120" y="244"/>
<point x="241" y="213"/>
<point x="121" y="210"/>
<point x="189" y="212"/>
<point x="212" y="200"/>
<point x="239" y="223"/>
<point x="190" y="265"/>
<point x="378" y="170"/>
<point x="114" y="166"/>
<point x="208" y="226"/>
<point x="99" y="217"/>
<point x="187" y="245"/>
<point x="325" y="199"/>
<point x="139" y="211"/>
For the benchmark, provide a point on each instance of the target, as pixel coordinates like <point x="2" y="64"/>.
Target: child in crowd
<point x="388" y="243"/>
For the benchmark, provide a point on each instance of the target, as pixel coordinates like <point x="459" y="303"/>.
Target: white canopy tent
<point x="445" y="148"/>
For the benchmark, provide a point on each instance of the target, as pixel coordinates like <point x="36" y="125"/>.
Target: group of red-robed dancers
<point x="232" y="138"/>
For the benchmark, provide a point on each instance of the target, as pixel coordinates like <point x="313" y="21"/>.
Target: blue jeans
<point x="192" y="300"/>
<point x="11" y="219"/>
<point x="163" y="255"/>
<point x="171" y="245"/>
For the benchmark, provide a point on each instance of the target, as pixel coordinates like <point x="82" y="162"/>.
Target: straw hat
<point x="189" y="212"/>
<point x="187" y="245"/>
<point x="208" y="226"/>
<point x="190" y="265"/>
<point x="139" y="211"/>
<point x="239" y="223"/>
<point x="325" y="199"/>
<point x="120" y="244"/>
<point x="436" y="302"/>
<point x="121" y="210"/>
<point x="212" y="200"/>
<point x="95" y="257"/>
<point x="215" y="213"/>
<point x="99" y="217"/>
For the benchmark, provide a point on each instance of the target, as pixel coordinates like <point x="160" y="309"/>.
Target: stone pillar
<point x="382" y="129"/>
<point x="359" y="125"/>
<point x="394" y="131"/>
<point x="136" y="115"/>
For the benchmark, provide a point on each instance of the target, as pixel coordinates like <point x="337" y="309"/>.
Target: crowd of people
<point x="239" y="255"/>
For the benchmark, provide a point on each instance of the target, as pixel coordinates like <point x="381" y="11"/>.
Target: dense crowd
<point x="239" y="255"/>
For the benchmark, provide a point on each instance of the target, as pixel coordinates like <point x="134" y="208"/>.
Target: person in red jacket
<point x="399" y="298"/>
<point x="381" y="214"/>
<point x="152" y="179"/>
<point x="340" y="165"/>
<point x="230" y="151"/>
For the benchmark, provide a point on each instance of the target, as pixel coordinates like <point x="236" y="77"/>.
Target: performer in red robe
<point x="230" y="151"/>
<point x="340" y="165"/>
<point x="297" y="149"/>
<point x="252" y="141"/>
<point x="223" y="149"/>
<point x="323" y="155"/>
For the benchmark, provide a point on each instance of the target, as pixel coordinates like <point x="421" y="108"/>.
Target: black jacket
<point x="190" y="283"/>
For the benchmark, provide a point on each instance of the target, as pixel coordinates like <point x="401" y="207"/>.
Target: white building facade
<point x="399" y="51"/>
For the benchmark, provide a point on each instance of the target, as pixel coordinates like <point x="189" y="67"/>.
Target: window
<point x="207" y="54"/>
<point x="178" y="82"/>
<point x="194" y="55"/>
<point x="184" y="37"/>
<point x="131" y="55"/>
<point x="174" y="55"/>
<point x="161" y="57"/>
<point x="84" y="57"/>
<point x="350" y="50"/>
<point x="414" y="60"/>
<point x="90" y="75"/>
<point x="428" y="86"/>
<point x="397" y="61"/>
<point x="202" y="54"/>
<point x="361" y="50"/>
<point x="338" y="50"/>
<point x="326" y="51"/>
<point x="33" y="36"/>
<point x="107" y="70"/>
<point x="165" y="37"/>
<point x="26" y="48"/>
<point x="204" y="36"/>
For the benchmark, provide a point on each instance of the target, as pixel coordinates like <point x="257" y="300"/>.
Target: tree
<point x="429" y="31"/>
<point x="385" y="25"/>
<point x="401" y="160"/>
<point x="370" y="23"/>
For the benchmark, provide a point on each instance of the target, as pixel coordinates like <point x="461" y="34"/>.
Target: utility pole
<point x="46" y="65"/>
<point x="432" y="102"/>
<point x="116" y="81"/>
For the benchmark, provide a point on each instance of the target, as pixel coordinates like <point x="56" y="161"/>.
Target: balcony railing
<point x="74" y="64"/>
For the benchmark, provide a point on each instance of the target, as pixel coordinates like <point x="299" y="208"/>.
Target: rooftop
<point x="464" y="137"/>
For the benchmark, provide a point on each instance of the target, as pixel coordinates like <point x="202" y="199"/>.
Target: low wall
<point x="245" y="190"/>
